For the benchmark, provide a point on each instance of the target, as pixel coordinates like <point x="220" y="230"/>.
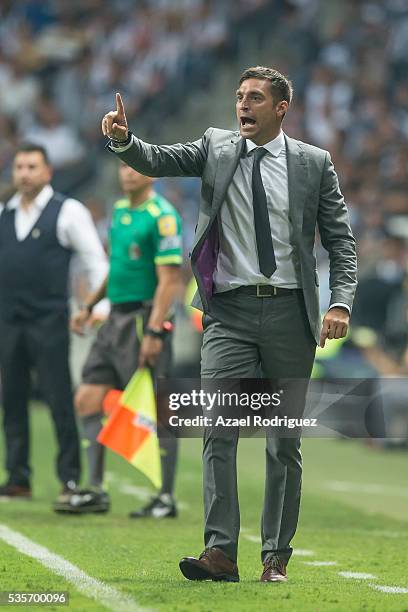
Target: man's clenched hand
<point x="335" y="324"/>
<point x="114" y="124"/>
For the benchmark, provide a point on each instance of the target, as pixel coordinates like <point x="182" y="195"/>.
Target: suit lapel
<point x="297" y="182"/>
<point x="297" y="176"/>
<point x="227" y="164"/>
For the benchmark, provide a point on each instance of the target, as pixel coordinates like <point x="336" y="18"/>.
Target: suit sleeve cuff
<point x="120" y="149"/>
<point x="342" y="305"/>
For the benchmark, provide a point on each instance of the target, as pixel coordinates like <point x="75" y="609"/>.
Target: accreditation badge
<point x="167" y="225"/>
<point x="126" y="219"/>
<point x="168" y="243"/>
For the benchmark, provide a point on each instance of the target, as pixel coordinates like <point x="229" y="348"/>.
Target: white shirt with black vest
<point x="75" y="230"/>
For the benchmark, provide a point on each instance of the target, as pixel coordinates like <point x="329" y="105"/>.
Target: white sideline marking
<point x="341" y="486"/>
<point x="91" y="587"/>
<point x="384" y="533"/>
<point x="320" y="563"/>
<point x="125" y="486"/>
<point x="298" y="552"/>
<point x="252" y="538"/>
<point x="358" y="575"/>
<point x="389" y="589"/>
<point x="143" y="493"/>
<point x="303" y="552"/>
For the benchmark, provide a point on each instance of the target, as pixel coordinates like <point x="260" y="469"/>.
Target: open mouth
<point x="245" y="121"/>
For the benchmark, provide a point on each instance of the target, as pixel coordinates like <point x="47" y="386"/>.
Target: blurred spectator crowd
<point x="60" y="64"/>
<point x="61" y="61"/>
<point x="349" y="64"/>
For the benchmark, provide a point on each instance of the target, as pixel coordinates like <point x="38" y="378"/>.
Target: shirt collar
<point x="39" y="202"/>
<point x="274" y="147"/>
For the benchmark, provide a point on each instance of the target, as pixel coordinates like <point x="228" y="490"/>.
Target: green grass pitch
<point x="354" y="513"/>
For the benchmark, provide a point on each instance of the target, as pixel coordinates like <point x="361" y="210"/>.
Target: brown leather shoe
<point x="12" y="490"/>
<point x="274" y="570"/>
<point x="212" y="564"/>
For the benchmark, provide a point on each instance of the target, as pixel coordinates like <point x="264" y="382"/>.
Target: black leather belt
<point x="126" y="307"/>
<point x="265" y="290"/>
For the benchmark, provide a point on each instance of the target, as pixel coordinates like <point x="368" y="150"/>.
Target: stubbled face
<point x="132" y="181"/>
<point x="30" y="173"/>
<point x="259" y="117"/>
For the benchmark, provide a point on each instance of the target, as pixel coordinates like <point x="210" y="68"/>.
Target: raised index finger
<point x="119" y="105"/>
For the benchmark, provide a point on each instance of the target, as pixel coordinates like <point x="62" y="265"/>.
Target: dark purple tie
<point x="266" y="254"/>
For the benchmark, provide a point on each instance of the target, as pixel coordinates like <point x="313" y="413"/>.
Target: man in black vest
<point x="39" y="231"/>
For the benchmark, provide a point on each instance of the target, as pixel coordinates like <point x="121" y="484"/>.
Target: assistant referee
<point x="145" y="258"/>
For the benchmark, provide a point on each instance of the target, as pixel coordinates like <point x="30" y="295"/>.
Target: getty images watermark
<point x="285" y="407"/>
<point x="221" y="401"/>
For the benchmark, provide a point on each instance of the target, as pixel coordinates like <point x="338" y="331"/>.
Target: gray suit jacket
<point x="314" y="199"/>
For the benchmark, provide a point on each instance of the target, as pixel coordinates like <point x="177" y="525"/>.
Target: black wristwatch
<point x="121" y="143"/>
<point x="159" y="332"/>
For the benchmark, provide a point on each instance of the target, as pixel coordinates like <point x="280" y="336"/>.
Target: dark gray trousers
<point x="41" y="344"/>
<point x="242" y="335"/>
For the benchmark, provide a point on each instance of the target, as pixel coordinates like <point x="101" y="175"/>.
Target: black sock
<point x="92" y="425"/>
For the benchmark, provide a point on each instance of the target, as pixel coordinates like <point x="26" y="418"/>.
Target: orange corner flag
<point x="131" y="430"/>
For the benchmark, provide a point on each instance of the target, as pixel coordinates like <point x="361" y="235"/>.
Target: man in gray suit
<point x="262" y="196"/>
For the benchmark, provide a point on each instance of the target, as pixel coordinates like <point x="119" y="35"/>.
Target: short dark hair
<point x="281" y="86"/>
<point x="30" y="147"/>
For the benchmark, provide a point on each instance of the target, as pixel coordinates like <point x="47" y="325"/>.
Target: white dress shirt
<point x="237" y="263"/>
<point x="75" y="230"/>
<point x="238" y="260"/>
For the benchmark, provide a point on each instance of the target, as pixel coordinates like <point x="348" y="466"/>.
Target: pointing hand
<point x="114" y="124"/>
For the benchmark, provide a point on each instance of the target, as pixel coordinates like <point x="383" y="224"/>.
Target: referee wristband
<point x="155" y="332"/>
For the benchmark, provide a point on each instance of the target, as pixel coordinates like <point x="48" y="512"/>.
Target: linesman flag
<point x="131" y="430"/>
